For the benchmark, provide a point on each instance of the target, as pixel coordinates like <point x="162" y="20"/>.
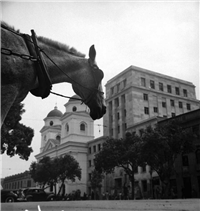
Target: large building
<point x="138" y="94"/>
<point x="137" y="98"/>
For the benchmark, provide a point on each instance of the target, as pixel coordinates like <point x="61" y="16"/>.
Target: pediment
<point x="51" y="143"/>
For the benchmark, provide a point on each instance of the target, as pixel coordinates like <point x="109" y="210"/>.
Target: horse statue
<point x="30" y="63"/>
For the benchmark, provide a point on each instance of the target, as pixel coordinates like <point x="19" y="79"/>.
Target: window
<point x="184" y="92"/>
<point x="112" y="90"/>
<point x="145" y="97"/>
<point x="111" y="131"/>
<point x="161" y="86"/>
<point x="51" y="123"/>
<point x="143" y="82"/>
<point x="124" y="83"/>
<point x="164" y="104"/>
<point x="99" y="147"/>
<point x="155" y="109"/>
<point x="152" y="84"/>
<point x="124" y="112"/>
<point x="118" y="86"/>
<point x="58" y="137"/>
<point x="110" y="119"/>
<point x="180" y="104"/>
<point x="117" y="102"/>
<point x="118" y="129"/>
<point x="28" y="183"/>
<point x="146" y="110"/>
<point x="169" y="89"/>
<point x="90" y="150"/>
<point x="125" y="126"/>
<point x="172" y="103"/>
<point x="74" y="109"/>
<point x="123" y="99"/>
<point x="82" y="127"/>
<point x="188" y="106"/>
<point x="118" y="115"/>
<point x="110" y="106"/>
<point x="90" y="163"/>
<point x="173" y="114"/>
<point x="177" y="91"/>
<point x="67" y="127"/>
<point x="94" y="149"/>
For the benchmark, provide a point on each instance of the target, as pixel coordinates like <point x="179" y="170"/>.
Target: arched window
<point x="45" y="138"/>
<point x="67" y="127"/>
<point x="58" y="137"/>
<point x="82" y="126"/>
<point x="74" y="109"/>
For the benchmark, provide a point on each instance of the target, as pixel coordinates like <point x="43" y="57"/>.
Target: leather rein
<point x="44" y="80"/>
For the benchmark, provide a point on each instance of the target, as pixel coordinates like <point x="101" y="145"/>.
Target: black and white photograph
<point x="100" y="105"/>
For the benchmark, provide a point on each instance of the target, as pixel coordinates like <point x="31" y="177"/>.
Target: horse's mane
<point x="55" y="44"/>
<point x="60" y="46"/>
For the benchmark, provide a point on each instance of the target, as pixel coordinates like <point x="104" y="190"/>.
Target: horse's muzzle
<point x="98" y="113"/>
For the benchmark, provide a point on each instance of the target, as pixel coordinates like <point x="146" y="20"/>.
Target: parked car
<point x="37" y="194"/>
<point x="20" y="195"/>
<point x="8" y="196"/>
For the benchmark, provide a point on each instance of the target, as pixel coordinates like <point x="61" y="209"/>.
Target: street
<point x="135" y="205"/>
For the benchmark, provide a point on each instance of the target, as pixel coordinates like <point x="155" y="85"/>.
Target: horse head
<point x="92" y="94"/>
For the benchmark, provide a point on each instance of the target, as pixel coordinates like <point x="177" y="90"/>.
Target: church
<point x="68" y="133"/>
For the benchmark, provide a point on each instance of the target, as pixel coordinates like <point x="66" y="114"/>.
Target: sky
<point x="161" y="36"/>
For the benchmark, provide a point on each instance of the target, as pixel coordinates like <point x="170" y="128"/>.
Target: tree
<point x="96" y="180"/>
<point x="67" y="168"/>
<point x="161" y="146"/>
<point x="44" y="172"/>
<point x="50" y="171"/>
<point x="16" y="138"/>
<point x="124" y="153"/>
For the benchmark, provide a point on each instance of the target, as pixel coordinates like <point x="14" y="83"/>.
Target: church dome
<point x="72" y="98"/>
<point x="55" y="113"/>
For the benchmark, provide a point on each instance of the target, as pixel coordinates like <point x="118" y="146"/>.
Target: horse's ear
<point x="92" y="53"/>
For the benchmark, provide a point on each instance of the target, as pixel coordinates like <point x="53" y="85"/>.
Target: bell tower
<point x="77" y="125"/>
<point x="51" y="129"/>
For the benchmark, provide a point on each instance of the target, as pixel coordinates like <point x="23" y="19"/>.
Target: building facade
<point x="137" y="98"/>
<point x="138" y="94"/>
<point x="18" y="181"/>
<point x="188" y="165"/>
<point x="68" y="133"/>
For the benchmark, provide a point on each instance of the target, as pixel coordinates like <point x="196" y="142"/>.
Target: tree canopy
<point x="158" y="147"/>
<point x="16" y="138"/>
<point x="162" y="144"/>
<point x="50" y="171"/>
<point x="124" y="153"/>
<point x="43" y="172"/>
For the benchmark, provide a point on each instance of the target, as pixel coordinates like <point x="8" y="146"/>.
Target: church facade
<point x="68" y="133"/>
